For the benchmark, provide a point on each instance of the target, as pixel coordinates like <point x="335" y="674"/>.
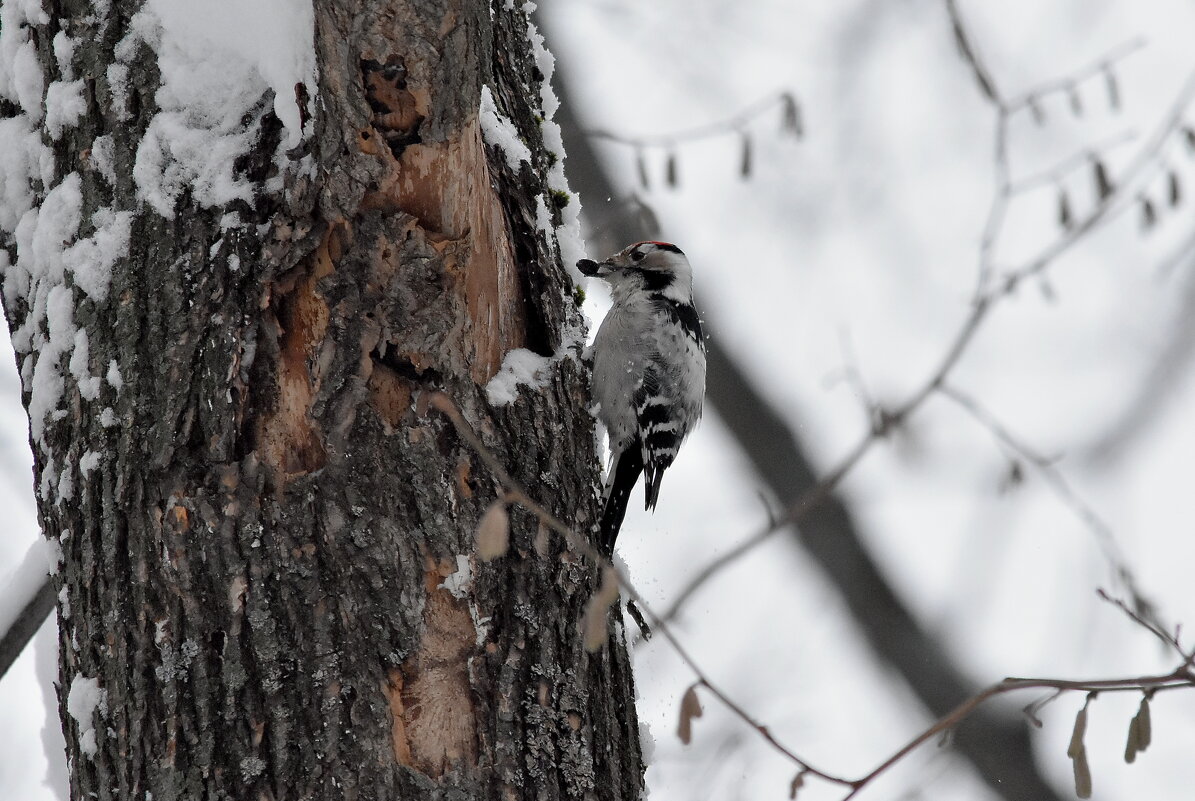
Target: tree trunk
<point x="267" y="588"/>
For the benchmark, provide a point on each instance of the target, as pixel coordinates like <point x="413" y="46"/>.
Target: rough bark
<point x="256" y="570"/>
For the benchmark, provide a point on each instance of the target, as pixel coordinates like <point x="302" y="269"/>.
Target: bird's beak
<point x="595" y="269"/>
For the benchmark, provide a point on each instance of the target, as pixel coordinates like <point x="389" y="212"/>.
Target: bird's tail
<point x="624" y="474"/>
<point x="662" y="446"/>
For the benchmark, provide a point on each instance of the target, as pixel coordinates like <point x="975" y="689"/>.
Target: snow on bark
<point x="103" y="157"/>
<point x="21" y="77"/>
<point x="115" y="379"/>
<point x="82" y="702"/>
<point x="91" y="260"/>
<point x="568" y="234"/>
<point x="89" y="385"/>
<point x="521" y="366"/>
<point x="23" y="160"/>
<point x="39" y="223"/>
<point x="64" y="98"/>
<point x="64" y="106"/>
<point x="216" y="65"/>
<point x="49" y="327"/>
<point x="271" y="41"/>
<point x="88" y="462"/>
<point x="64" y="53"/>
<point x="501" y="133"/>
<point x="217" y="61"/>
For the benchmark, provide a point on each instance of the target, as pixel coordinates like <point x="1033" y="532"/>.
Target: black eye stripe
<point x="655" y="280"/>
<point x="637" y="255"/>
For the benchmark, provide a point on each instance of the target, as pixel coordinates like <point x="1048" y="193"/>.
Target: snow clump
<point x="84" y="698"/>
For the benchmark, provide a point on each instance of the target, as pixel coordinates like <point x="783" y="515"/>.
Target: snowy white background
<point x="871" y="226"/>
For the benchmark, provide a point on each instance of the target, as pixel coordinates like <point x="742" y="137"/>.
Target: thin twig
<point x="1068" y="165"/>
<point x="814" y="496"/>
<point x="1181" y="677"/>
<point x="793" y="515"/>
<point x="993" y="227"/>
<point x="734" y="124"/>
<point x="853" y="375"/>
<point x="998" y="211"/>
<point x="1075" y="77"/>
<point x="970" y="53"/>
<point x="1168" y="639"/>
<point x="1144" y="164"/>
<point x="515" y="492"/>
<point x="1054" y="478"/>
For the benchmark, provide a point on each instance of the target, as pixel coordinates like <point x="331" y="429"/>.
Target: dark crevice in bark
<point x="541" y="338"/>
<point x="428" y="377"/>
<point x="393" y="106"/>
<point x="257" y="165"/>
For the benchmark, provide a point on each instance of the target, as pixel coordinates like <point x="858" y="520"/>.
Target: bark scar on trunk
<point x="430" y="696"/>
<point x="290" y="440"/>
<point x="446" y="186"/>
<point x="391" y="395"/>
<point x="397" y="112"/>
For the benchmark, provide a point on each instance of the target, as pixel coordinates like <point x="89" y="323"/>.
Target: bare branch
<point x="1062" y="488"/>
<point x="1181" y="677"/>
<point x="822" y="490"/>
<point x="26" y="624"/>
<point x="1069" y="165"/>
<point x="1170" y="640"/>
<point x="26" y="599"/>
<point x="1000" y="746"/>
<point x="733" y="125"/>
<point x="853" y="375"/>
<point x="970" y="53"/>
<point x="1078" y="76"/>
<point x="998" y="210"/>
<point x="1145" y="163"/>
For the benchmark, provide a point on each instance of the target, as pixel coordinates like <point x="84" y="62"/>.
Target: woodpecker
<point x="648" y="371"/>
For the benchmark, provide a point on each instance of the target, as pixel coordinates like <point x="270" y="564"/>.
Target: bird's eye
<point x="637" y="255"/>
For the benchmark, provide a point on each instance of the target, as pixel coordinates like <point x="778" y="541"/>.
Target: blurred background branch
<point x="26" y="623"/>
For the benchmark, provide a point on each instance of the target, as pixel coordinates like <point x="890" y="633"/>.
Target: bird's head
<point x="653" y="266"/>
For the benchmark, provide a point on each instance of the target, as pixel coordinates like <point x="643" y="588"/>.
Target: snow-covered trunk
<point x="242" y="244"/>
